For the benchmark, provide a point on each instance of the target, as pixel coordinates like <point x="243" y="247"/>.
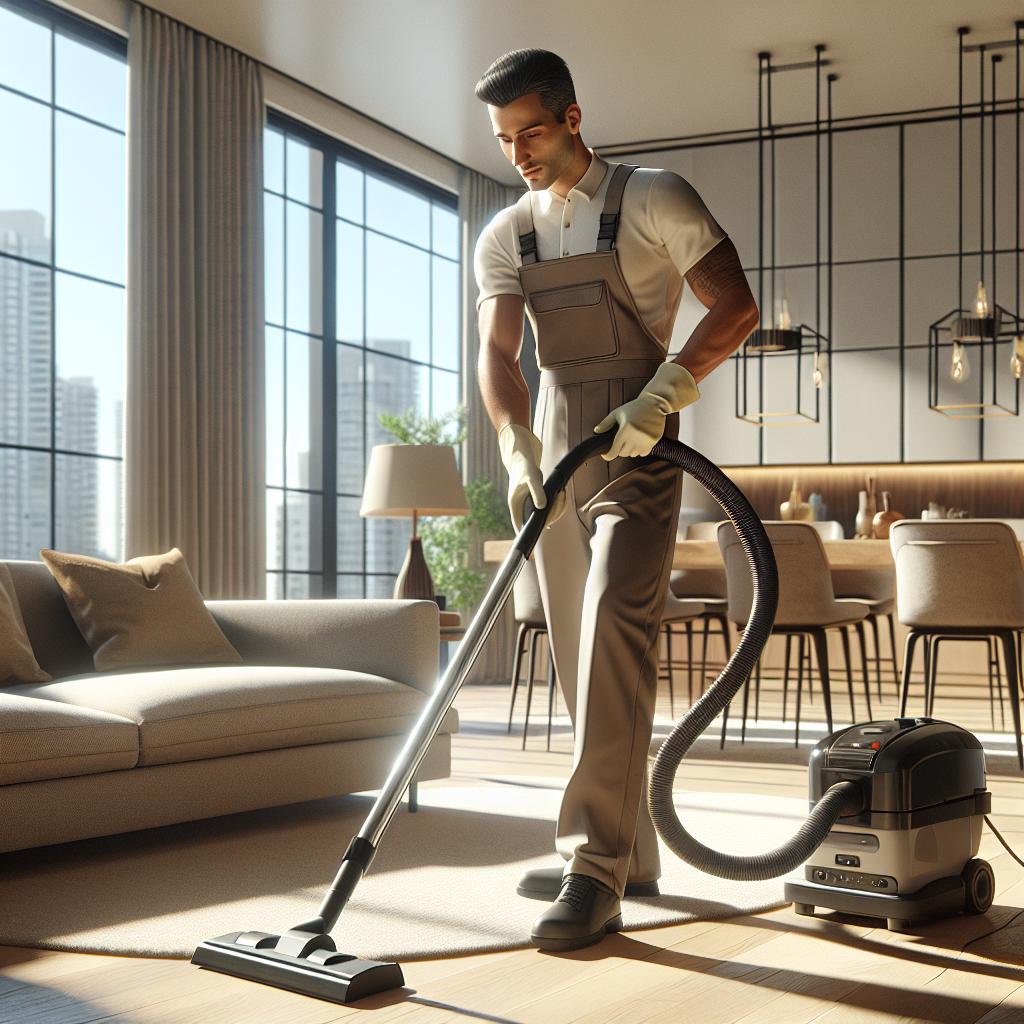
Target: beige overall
<point x="604" y="565"/>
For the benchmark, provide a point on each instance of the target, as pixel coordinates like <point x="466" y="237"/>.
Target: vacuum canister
<point x="909" y="854"/>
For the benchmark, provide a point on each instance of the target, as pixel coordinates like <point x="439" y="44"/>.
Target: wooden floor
<point x="773" y="967"/>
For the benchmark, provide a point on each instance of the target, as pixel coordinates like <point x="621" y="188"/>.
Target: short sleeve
<point x="494" y="261"/>
<point x="681" y="220"/>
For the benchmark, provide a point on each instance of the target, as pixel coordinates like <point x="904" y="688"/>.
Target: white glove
<point x="521" y="452"/>
<point x="642" y="422"/>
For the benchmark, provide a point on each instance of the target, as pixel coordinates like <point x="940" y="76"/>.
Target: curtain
<point x="194" y="405"/>
<point x="480" y="198"/>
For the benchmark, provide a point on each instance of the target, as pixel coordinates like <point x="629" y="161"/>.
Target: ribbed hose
<point x="845" y="796"/>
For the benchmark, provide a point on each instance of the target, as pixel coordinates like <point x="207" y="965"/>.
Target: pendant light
<point x="807" y="347"/>
<point x="985" y="329"/>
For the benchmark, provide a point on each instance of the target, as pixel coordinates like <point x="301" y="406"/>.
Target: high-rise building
<point x="44" y="498"/>
<point x="25" y="364"/>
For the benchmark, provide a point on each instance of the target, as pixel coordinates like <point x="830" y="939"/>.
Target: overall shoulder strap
<point x="525" y="229"/>
<point x="612" y="204"/>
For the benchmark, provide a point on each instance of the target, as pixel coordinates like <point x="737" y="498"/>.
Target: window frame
<point x="61" y="22"/>
<point x="334" y="150"/>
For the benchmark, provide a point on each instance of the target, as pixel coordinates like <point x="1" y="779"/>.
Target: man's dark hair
<point x="524" y="71"/>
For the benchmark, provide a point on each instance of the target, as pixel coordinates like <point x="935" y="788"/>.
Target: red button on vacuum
<point x="875" y="745"/>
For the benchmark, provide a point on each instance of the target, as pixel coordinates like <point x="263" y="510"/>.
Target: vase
<point x="866" y="515"/>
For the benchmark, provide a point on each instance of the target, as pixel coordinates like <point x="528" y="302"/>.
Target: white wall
<point x="867" y="382"/>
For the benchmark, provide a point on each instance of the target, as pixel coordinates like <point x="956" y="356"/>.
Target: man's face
<point x="539" y="147"/>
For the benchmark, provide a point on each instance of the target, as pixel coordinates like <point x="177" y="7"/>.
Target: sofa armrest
<point x="395" y="639"/>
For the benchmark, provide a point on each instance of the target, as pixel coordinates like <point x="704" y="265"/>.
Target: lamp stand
<point x="414" y="582"/>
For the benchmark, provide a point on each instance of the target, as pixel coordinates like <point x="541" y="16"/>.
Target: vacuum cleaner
<point x="895" y="807"/>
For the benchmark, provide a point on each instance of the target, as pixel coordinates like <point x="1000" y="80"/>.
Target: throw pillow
<point x="147" y="611"/>
<point x="17" y="661"/>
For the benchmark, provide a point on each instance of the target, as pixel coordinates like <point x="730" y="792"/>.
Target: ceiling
<point x="644" y="69"/>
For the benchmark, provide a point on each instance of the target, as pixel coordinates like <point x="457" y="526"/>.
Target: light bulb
<point x="961" y="368"/>
<point x="981" y="301"/>
<point x="819" y="370"/>
<point x="782" y="318"/>
<point x="1017" y="357"/>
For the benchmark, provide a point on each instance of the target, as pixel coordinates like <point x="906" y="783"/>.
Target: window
<point x="62" y="271"/>
<point x="362" y="306"/>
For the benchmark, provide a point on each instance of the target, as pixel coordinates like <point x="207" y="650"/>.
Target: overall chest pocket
<point x="575" y="324"/>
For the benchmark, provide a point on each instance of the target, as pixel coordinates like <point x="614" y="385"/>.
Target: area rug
<point x="442" y="884"/>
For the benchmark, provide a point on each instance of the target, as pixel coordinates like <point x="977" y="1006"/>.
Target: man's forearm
<point x="502" y="388"/>
<point x="724" y="328"/>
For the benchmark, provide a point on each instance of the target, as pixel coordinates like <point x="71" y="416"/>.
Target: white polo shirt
<point x="664" y="229"/>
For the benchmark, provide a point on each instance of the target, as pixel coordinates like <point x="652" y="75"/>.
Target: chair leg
<point x="892" y="644"/>
<point x="799" y="684"/>
<point x="785" y="674"/>
<point x="704" y="658"/>
<point x="873" y="619"/>
<point x="520" y="646"/>
<point x="689" y="662"/>
<point x="1011" y="655"/>
<point x="908" y="664"/>
<point x="757" y="690"/>
<point x="927" y="675"/>
<point x="746" y="704"/>
<point x="859" y="626"/>
<point x="845" y="634"/>
<point x="668" y="655"/>
<point x="821" y="649"/>
<point x="999" y="683"/>
<point x="552" y="686"/>
<point x="991" y="686"/>
<point x="529" y="680"/>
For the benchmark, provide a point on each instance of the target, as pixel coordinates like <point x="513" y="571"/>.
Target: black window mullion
<point x="53" y="288"/>
<point x="329" y="374"/>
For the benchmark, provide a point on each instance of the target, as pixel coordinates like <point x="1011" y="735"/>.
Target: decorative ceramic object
<point x="868" y="506"/>
<point x="796" y="508"/>
<point x="819" y="508"/>
<point x="883" y="520"/>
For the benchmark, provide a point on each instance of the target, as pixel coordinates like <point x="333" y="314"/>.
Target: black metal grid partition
<point x="887" y="239"/>
<point x="362" y="309"/>
<point x="62" y="272"/>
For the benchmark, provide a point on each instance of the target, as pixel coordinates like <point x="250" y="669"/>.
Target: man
<point x="596" y="255"/>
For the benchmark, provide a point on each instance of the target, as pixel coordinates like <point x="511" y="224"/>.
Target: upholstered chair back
<point x="805" y="584"/>
<point x="703" y="531"/>
<point x="966" y="573"/>
<point x="526" y="598"/>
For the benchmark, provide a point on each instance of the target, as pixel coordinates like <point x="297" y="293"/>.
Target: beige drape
<point x="480" y="198"/>
<point x="194" y="416"/>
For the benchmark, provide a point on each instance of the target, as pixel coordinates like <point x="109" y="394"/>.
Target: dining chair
<point x="960" y="578"/>
<point x="679" y="613"/>
<point x="529" y="617"/>
<point x="707" y="585"/>
<point x="807" y="605"/>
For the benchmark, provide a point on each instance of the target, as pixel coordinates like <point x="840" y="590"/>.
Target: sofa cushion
<point x="17" y="662"/>
<point x="185" y="714"/>
<point x="43" y="739"/>
<point x="146" y="612"/>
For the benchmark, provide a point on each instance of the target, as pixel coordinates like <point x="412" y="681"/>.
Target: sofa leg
<point x="414" y="797"/>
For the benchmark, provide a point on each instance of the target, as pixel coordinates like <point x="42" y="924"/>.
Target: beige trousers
<point x="603" y="570"/>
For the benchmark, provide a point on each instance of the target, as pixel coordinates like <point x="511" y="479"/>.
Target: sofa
<point x="319" y="707"/>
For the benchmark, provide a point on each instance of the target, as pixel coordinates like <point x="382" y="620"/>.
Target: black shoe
<point x="585" y="911"/>
<point x="546" y="883"/>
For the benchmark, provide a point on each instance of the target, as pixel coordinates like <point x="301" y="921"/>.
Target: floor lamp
<point x="408" y="481"/>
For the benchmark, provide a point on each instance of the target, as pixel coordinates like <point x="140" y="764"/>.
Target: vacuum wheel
<point x="979" y="886"/>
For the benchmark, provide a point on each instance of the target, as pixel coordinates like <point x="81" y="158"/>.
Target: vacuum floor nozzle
<point x="323" y="974"/>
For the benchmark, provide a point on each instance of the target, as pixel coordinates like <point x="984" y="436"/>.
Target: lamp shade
<point x="407" y="479"/>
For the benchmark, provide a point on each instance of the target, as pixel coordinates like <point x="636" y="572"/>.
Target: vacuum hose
<point x="843" y="798"/>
